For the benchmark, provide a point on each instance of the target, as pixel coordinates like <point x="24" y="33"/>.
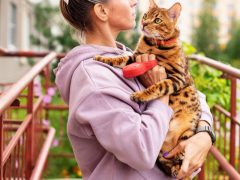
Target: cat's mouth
<point x="151" y="35"/>
<point x="146" y="32"/>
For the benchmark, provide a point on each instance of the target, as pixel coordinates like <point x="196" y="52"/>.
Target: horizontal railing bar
<point x="56" y="107"/>
<point x="12" y="127"/>
<point x="26" y="96"/>
<point x="15" y="90"/>
<point x="12" y="121"/>
<point x="50" y="84"/>
<point x="6" y="53"/>
<point x="228" y="114"/>
<point x="226" y="166"/>
<point x="217" y="65"/>
<point x="3" y="51"/>
<point x="62" y="155"/>
<point x="20" y="131"/>
<point x="39" y="166"/>
<point x="225" y="112"/>
<point x="48" y="107"/>
<point x="5" y="84"/>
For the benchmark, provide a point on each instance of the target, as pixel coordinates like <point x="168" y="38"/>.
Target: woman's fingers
<point x="163" y="73"/>
<point x="184" y="169"/>
<point x="152" y="57"/>
<point x="178" y="148"/>
<point x="145" y="57"/>
<point x="138" y="59"/>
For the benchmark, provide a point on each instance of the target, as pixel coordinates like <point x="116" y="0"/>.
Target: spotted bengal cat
<point x="160" y="37"/>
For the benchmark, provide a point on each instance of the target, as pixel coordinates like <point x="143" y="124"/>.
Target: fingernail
<point x="165" y="154"/>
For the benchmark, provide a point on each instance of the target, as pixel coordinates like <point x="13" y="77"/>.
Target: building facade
<point x="16" y="26"/>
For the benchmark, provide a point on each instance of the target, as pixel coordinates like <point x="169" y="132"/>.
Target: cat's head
<point x="160" y="23"/>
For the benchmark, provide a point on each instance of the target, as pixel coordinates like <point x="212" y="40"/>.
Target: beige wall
<point x="11" y="69"/>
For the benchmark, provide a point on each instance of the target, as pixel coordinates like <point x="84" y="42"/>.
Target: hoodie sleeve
<point x="135" y="139"/>
<point x="206" y="113"/>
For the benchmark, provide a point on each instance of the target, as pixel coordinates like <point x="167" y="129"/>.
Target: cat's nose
<point x="144" y="24"/>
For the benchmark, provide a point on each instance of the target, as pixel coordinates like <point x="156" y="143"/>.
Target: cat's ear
<point x="152" y="4"/>
<point x="174" y="11"/>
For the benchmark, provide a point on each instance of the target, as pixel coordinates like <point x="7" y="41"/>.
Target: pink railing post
<point x="201" y="175"/>
<point x="233" y="125"/>
<point x="1" y="147"/>
<point x="29" y="145"/>
<point x="47" y="83"/>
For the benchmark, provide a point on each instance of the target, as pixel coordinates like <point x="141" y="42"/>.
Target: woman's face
<point x="122" y="14"/>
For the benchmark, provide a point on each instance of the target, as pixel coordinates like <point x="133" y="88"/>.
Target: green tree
<point x="48" y="16"/>
<point x="233" y="46"/>
<point x="205" y="36"/>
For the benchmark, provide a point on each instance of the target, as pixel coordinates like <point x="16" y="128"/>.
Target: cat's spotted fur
<point x="179" y="83"/>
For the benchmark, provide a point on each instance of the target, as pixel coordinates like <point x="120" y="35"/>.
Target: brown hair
<point x="78" y="13"/>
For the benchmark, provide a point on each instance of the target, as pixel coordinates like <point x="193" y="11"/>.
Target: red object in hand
<point x="137" y="69"/>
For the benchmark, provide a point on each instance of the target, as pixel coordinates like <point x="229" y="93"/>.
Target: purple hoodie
<point x="113" y="138"/>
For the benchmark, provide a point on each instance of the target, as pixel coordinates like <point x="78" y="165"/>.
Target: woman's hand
<point x="196" y="149"/>
<point x="152" y="76"/>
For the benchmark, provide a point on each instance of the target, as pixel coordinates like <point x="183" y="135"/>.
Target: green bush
<point x="208" y="81"/>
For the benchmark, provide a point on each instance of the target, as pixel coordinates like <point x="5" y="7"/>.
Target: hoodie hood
<point x="71" y="61"/>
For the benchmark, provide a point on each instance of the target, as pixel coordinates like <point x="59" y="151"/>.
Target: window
<point x="230" y="6"/>
<point x="13" y="26"/>
<point x="214" y="5"/>
<point x="28" y="42"/>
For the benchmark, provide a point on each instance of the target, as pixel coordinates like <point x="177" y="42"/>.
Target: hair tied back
<point x="66" y="1"/>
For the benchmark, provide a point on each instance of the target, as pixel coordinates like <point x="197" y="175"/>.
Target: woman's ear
<point x="152" y="4"/>
<point x="174" y="11"/>
<point x="101" y="12"/>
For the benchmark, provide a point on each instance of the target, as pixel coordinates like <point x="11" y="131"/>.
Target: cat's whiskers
<point x="154" y="38"/>
<point x="162" y="37"/>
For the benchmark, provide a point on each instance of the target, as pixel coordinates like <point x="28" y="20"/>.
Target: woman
<point x="113" y="137"/>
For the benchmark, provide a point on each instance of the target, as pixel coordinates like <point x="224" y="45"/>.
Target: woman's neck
<point x="102" y="37"/>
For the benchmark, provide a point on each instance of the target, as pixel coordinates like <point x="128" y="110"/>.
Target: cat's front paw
<point x="97" y="58"/>
<point x="136" y="97"/>
<point x="142" y="96"/>
<point x="177" y="161"/>
<point x="105" y="60"/>
<point x="175" y="170"/>
<point x="139" y="97"/>
<point x="179" y="156"/>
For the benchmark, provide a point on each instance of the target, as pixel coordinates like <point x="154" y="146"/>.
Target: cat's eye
<point x="157" y="20"/>
<point x="144" y="16"/>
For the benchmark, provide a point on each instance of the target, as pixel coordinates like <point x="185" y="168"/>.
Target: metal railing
<point x="24" y="143"/>
<point x="224" y="157"/>
<point x="18" y="140"/>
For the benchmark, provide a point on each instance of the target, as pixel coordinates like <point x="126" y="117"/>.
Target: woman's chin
<point x="132" y="26"/>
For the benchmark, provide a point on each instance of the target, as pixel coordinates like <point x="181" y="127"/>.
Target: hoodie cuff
<point x="207" y="118"/>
